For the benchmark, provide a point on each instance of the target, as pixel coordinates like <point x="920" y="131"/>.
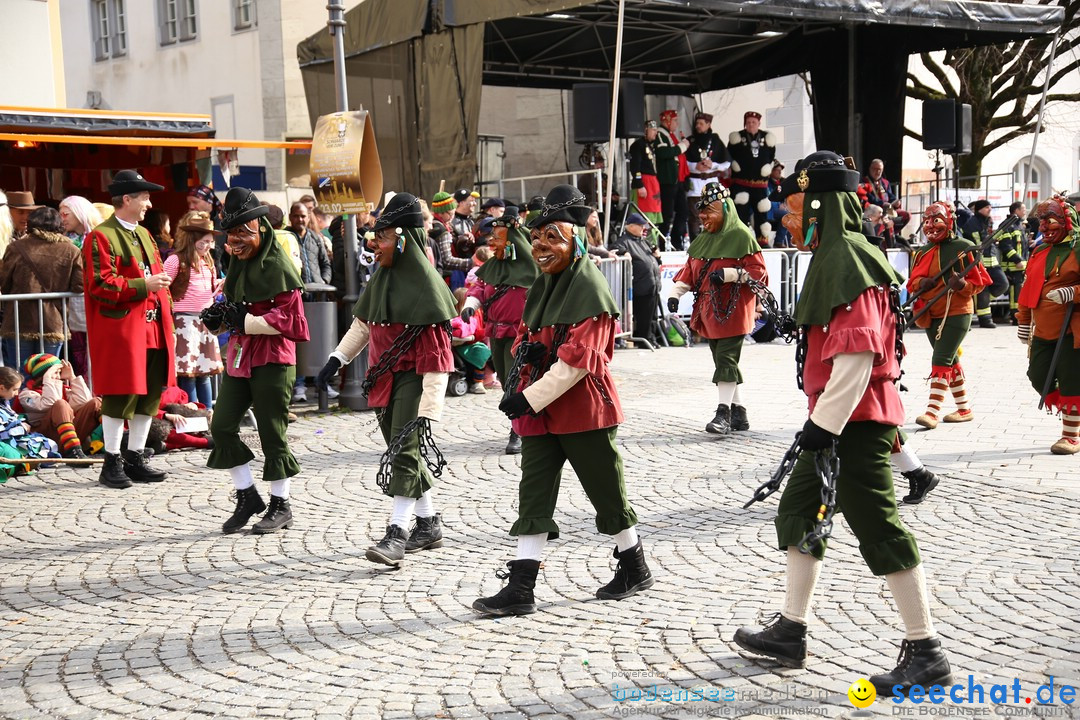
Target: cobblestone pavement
<point x="132" y="604"/>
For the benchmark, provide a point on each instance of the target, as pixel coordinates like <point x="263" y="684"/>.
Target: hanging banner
<point x="346" y="173"/>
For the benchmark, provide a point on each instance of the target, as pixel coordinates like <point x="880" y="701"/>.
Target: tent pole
<point x="1039" y="122"/>
<point x="611" y="162"/>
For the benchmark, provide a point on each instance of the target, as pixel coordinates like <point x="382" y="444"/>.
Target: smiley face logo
<point x="861" y="693"/>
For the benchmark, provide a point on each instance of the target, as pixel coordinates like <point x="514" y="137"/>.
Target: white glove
<point x="1061" y="295"/>
<point x="1023" y="333"/>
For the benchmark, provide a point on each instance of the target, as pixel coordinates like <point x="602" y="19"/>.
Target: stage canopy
<point x="418" y="65"/>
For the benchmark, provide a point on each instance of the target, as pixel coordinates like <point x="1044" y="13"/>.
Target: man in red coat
<point x="129" y="328"/>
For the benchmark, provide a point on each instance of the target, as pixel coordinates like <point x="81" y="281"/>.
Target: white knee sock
<point x="531" y="547"/>
<point x="626" y="539"/>
<point x="241" y="476"/>
<point x="735" y="398"/>
<point x="112" y="431"/>
<point x="424" y="507"/>
<point x="908" y="588"/>
<point x="906" y="460"/>
<point x="280" y="488"/>
<point x="403" y="511"/>
<point x="802" y="575"/>
<point x="138" y="430"/>
<point x="727" y="391"/>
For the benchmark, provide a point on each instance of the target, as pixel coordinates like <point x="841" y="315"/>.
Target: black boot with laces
<point x="516" y="598"/>
<point x="721" y="422"/>
<point x="278" y="516"/>
<point x="921" y="662"/>
<point x="739" y="421"/>
<point x="391" y="549"/>
<point x="631" y="576"/>
<point x="920" y="482"/>
<point x="426" y="534"/>
<point x="248" y="503"/>
<point x="782" y="640"/>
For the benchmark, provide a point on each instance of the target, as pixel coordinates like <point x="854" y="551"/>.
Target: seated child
<point x="175" y="406"/>
<point x="58" y="404"/>
<point x="16" y="439"/>
<point x="468" y="345"/>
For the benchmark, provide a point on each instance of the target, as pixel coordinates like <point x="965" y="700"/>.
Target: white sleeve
<point x="845" y="388"/>
<point x="433" y="395"/>
<point x="472" y="302"/>
<point x="257" y="325"/>
<point x="678" y="290"/>
<point x="355" y="340"/>
<point x="556" y="381"/>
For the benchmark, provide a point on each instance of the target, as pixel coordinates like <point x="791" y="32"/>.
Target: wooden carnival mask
<point x="1054" y="222"/>
<point x="244" y="240"/>
<point x="553" y="246"/>
<point x="793" y="220"/>
<point x="938" y="222"/>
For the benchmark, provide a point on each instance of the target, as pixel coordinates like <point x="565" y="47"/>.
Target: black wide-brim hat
<point x="821" y="171"/>
<point x="241" y="206"/>
<point x="130" y="182"/>
<point x="402" y="211"/>
<point x="564" y="203"/>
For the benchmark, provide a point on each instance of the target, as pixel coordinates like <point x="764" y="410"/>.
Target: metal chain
<point x="389" y="358"/>
<point x="499" y="292"/>
<point x="802" y="345"/>
<point x="785" y="324"/>
<point x="426" y="446"/>
<point x="513" y="375"/>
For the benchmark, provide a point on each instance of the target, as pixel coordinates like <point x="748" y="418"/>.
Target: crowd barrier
<point x="620" y="279"/>
<point x="6" y="302"/>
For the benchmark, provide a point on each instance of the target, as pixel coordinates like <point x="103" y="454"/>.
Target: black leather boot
<point x="248" y="503"/>
<point x="426" y="535"/>
<point x="739" y="422"/>
<point x="986" y="322"/>
<point x="513" y="447"/>
<point x="516" y="598"/>
<point x="921" y="662"/>
<point x="632" y="575"/>
<point x="138" y="470"/>
<point x="920" y="482"/>
<point x="721" y="424"/>
<point x="278" y="515"/>
<point x="112" y="473"/>
<point x="391" y="549"/>
<point x="782" y="640"/>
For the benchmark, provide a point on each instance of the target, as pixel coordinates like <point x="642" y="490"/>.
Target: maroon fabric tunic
<point x="865" y="325"/>
<point x="503" y="318"/>
<point x="285" y="313"/>
<point x="592" y="403"/>
<point x="702" y="321"/>
<point x="429" y="354"/>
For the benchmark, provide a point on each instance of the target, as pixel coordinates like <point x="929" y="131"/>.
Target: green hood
<point x="521" y="271"/>
<point x="844" y="263"/>
<point x="267" y="275"/>
<point x="578" y="292"/>
<point x="951" y="248"/>
<point x="734" y="239"/>
<point x="410" y="292"/>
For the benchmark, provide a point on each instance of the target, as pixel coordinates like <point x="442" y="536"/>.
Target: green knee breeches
<point x="945" y="349"/>
<point x="410" y="476"/>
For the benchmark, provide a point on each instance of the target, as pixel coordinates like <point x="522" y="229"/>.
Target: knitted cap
<point x="36" y="365"/>
<point x="443" y="202"/>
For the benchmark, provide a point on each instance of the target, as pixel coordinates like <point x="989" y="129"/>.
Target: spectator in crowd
<point x="645" y="261"/>
<point x="781" y="238"/>
<point x="875" y="189"/>
<point x="429" y="225"/>
<point x="642" y="166"/>
<point x="444" y="205"/>
<point x="879" y="226"/>
<point x="977" y="228"/>
<point x="79" y="217"/>
<point x="337" y="260"/>
<point x="7" y="228"/>
<point x="1013" y="249"/>
<point x="160" y="228"/>
<point x="20" y="204"/>
<point x="493" y="207"/>
<point x="16" y="438"/>
<point x="467" y="341"/>
<point x="42" y="261"/>
<point x="203" y="199"/>
<point x="194" y="284"/>
<point x="462" y="222"/>
<point x="672" y="172"/>
<point x="58" y="404"/>
<point x="707" y="159"/>
<point x="275" y="216"/>
<point x="752" y="153"/>
<point x="595" y="236"/>
<point x="314" y="268"/>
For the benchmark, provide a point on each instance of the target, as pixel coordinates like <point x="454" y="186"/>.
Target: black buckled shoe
<point x="782" y="640"/>
<point x="739" y="421"/>
<point x="278" y="516"/>
<point x="921" y="662"/>
<point x="425" y="535"/>
<point x="920" y="482"/>
<point x="513" y="446"/>
<point x="721" y="423"/>
<point x="139" y="470"/>
<point x="391" y="549"/>
<point x="632" y="575"/>
<point x="516" y="597"/>
<point x="248" y="503"/>
<point x="112" y="473"/>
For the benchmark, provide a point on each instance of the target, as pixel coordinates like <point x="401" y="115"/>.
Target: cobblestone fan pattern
<point x="132" y="603"/>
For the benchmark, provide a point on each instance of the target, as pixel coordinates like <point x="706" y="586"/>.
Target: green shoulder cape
<point x="733" y="240"/>
<point x="268" y="274"/>
<point x="410" y="291"/>
<point x="578" y="292"/>
<point x="519" y="271"/>
<point x="844" y="263"/>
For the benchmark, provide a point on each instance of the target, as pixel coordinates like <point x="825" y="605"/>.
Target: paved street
<point x="132" y="604"/>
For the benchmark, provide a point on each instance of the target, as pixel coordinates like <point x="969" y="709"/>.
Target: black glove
<point x="535" y="352"/>
<point x="515" y="406"/>
<point x="815" y="437"/>
<point x="467" y="313"/>
<point x="673" y="305"/>
<point x="328" y="373"/>
<point x="213" y="317"/>
<point x="716" y="277"/>
<point x="956" y="283"/>
<point x="235" y="314"/>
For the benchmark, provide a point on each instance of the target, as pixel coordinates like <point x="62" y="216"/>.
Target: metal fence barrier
<point x="39" y="299"/>
<point x="619" y="274"/>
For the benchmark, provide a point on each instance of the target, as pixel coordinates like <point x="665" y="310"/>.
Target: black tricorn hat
<point x="564" y="203"/>
<point x="402" y="211"/>
<point x="130" y="182"/>
<point x="821" y="171"/>
<point x="241" y="205"/>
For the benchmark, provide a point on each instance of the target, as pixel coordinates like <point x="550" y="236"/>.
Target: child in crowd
<point x="483" y="254"/>
<point x="58" y="404"/>
<point x="16" y="439"/>
<point x="468" y="345"/>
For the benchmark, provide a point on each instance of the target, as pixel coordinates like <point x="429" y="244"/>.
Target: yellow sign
<point x="345" y="167"/>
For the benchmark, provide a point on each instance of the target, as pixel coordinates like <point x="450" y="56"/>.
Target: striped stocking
<point x="938" y="388"/>
<point x="68" y="437"/>
<point x="959" y="393"/>
<point x="1070" y="423"/>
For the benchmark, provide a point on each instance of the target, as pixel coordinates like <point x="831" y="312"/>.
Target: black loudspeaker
<point x="963" y="130"/>
<point x="592" y="111"/>
<point x="939" y="124"/>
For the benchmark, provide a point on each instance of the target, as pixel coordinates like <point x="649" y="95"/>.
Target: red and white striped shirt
<point x="200" y="290"/>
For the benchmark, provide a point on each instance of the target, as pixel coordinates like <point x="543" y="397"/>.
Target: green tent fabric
<point x="410" y="291"/>
<point x="578" y="292"/>
<point x="734" y="239"/>
<point x="844" y="263"/>
<point x="519" y="271"/>
<point x="265" y="276"/>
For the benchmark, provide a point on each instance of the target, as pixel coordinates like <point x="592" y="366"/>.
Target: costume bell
<point x="404" y="314"/>
<point x="1048" y="301"/>
<point x="721" y="259"/>
<point x="499" y="292"/>
<point x="949" y="317"/>
<point x="566" y="408"/>
<point x="849" y="328"/>
<point x="265" y="312"/>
